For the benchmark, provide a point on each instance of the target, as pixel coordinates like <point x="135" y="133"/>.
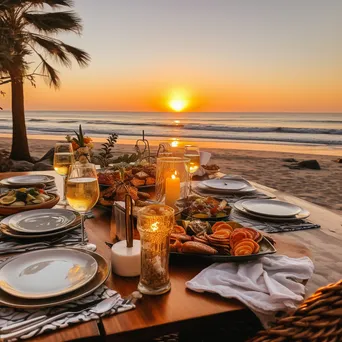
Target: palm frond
<point x="81" y="57"/>
<point x="51" y="3"/>
<point x="50" y="73"/>
<point x="53" y="47"/>
<point x="54" y="22"/>
<point x="5" y="4"/>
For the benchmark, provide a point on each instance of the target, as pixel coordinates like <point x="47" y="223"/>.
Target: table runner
<point x="10" y="316"/>
<point x="272" y="227"/>
<point x="11" y="245"/>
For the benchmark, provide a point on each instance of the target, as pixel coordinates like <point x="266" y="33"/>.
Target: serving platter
<point x="303" y="214"/>
<point x="8" y="210"/>
<point x="47" y="273"/>
<point x="100" y="277"/>
<point x="265" y="244"/>
<point x="266" y="247"/>
<point x="42" y="220"/>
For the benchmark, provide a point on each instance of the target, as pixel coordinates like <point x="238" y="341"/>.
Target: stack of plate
<point x="50" y="277"/>
<point x="47" y="181"/>
<point x="273" y="210"/>
<point x="40" y="223"/>
<point x="226" y="186"/>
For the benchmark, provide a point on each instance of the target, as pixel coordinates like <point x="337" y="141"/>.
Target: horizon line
<point x="183" y="112"/>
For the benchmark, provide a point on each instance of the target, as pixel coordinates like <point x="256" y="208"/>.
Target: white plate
<point x="30" y="179"/>
<point x="41" y="220"/>
<point x="103" y="271"/>
<point x="225" y="184"/>
<point x="5" y="229"/>
<point x="303" y="214"/>
<point x="248" y="189"/>
<point x="268" y="207"/>
<point x="47" y="273"/>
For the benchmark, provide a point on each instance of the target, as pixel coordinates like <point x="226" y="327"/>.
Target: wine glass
<point x="63" y="158"/>
<point x="192" y="152"/>
<point x="83" y="193"/>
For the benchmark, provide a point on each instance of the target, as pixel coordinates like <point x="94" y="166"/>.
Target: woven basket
<point x="318" y="319"/>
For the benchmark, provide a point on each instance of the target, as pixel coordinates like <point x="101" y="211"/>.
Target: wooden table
<point x="183" y="309"/>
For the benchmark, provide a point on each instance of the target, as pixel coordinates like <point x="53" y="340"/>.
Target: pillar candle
<point x="172" y="190"/>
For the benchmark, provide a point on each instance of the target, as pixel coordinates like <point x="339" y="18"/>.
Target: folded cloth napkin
<point x="9" y="316"/>
<point x="267" y="285"/>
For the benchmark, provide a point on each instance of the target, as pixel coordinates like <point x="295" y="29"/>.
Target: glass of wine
<point x="192" y="152"/>
<point x="63" y="158"/>
<point x="82" y="193"/>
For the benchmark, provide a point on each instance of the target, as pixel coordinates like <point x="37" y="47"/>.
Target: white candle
<point x="172" y="190"/>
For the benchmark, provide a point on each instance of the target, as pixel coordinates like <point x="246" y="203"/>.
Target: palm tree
<point x="26" y="28"/>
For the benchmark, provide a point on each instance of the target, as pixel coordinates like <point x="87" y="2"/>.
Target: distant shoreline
<point x="323" y="150"/>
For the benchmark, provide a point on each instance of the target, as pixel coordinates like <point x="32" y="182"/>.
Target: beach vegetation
<point x="30" y="28"/>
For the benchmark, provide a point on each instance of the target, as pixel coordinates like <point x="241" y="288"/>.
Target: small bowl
<point x="8" y="210"/>
<point x="222" y="218"/>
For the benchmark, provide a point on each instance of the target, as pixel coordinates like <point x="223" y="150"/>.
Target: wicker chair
<point x="318" y="319"/>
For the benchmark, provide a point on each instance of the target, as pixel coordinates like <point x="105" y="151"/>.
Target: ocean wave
<point x="203" y="127"/>
<point x="263" y="129"/>
<point x="302" y="139"/>
<point x="37" y="120"/>
<point x="121" y="123"/>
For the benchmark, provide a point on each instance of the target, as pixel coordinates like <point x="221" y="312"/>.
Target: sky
<point x="205" y="55"/>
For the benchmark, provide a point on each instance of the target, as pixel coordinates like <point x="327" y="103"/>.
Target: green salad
<point x="24" y="196"/>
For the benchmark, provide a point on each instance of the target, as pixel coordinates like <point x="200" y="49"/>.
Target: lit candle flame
<point x="174" y="175"/>
<point x="154" y="226"/>
<point x="174" y="143"/>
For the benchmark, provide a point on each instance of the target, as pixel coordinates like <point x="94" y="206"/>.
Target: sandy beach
<point x="322" y="187"/>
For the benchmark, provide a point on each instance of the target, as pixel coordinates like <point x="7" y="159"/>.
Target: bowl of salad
<point x="204" y="208"/>
<point x="23" y="199"/>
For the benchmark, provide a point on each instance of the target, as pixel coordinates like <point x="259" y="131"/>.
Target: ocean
<point x="276" y="128"/>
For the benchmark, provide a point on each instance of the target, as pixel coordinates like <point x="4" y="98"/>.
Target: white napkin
<point x="267" y="285"/>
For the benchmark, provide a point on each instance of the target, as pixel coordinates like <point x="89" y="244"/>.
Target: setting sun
<point x="178" y="104"/>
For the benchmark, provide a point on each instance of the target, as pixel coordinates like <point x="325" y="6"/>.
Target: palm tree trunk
<point x="20" y="149"/>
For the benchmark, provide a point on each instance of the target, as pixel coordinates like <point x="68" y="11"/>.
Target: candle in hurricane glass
<point x="155" y="223"/>
<point x="172" y="179"/>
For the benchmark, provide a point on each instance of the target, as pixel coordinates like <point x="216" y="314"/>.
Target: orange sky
<point x="218" y="57"/>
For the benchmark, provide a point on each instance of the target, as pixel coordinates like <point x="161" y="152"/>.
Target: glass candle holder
<point x="155" y="223"/>
<point x="172" y="180"/>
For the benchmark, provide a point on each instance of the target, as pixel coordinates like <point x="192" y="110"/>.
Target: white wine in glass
<point x="192" y="153"/>
<point x="62" y="160"/>
<point x="83" y="193"/>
